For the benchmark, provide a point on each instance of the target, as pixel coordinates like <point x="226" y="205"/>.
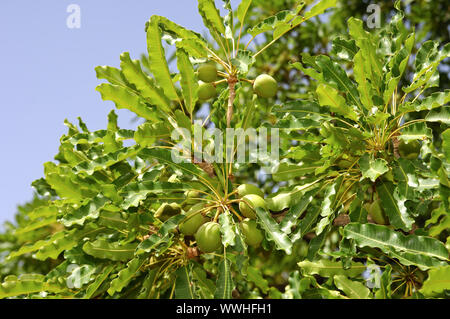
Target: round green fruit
<point x="409" y="150"/>
<point x="165" y="211"/>
<point x="208" y="237"/>
<point x="207" y="72"/>
<point x="206" y="91"/>
<point x="194" y="219"/>
<point x="265" y="86"/>
<point x="191" y="197"/>
<point x="377" y="213"/>
<point x="248" y="189"/>
<point x="252" y="235"/>
<point x="254" y="201"/>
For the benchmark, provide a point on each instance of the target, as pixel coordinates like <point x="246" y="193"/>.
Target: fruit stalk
<point x="232" y="85"/>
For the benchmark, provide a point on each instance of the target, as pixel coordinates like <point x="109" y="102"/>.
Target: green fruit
<point x="165" y="211"/>
<point x="208" y="237"/>
<point x="207" y="72"/>
<point x="252" y="235"/>
<point x="193" y="221"/>
<point x="265" y="86"/>
<point x="191" y="197"/>
<point x="409" y="150"/>
<point x="247" y="189"/>
<point x="206" y="91"/>
<point x="377" y="213"/>
<point x="255" y="201"/>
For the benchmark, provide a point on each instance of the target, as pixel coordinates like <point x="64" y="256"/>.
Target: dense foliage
<point x="357" y="205"/>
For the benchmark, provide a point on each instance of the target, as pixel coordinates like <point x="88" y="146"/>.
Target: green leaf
<point x="243" y="61"/>
<point x="126" y="275"/>
<point x="384" y="292"/>
<point x="437" y="282"/>
<point x="135" y="192"/>
<point x="287" y="171"/>
<point x="296" y="211"/>
<point x="352" y="289"/>
<point x="433" y="101"/>
<point x="95" y="285"/>
<point x="441" y="115"/>
<point x="372" y="168"/>
<point x="89" y="211"/>
<point x="365" y="88"/>
<point x="116" y="251"/>
<point x="335" y="75"/>
<point x="415" y="131"/>
<point x="344" y="49"/>
<point x="394" y="207"/>
<point x="254" y="275"/>
<point x="329" y="96"/>
<point x="272" y="23"/>
<point x="273" y="231"/>
<point x="183" y="285"/>
<point x="148" y="133"/>
<point x="157" y="58"/>
<point x="145" y="85"/>
<point x="228" y="235"/>
<point x="423" y="252"/>
<point x="224" y="284"/>
<point x="25" y="285"/>
<point x="126" y="99"/>
<point x="328" y="268"/>
<point x="446" y="144"/>
<point x="211" y="17"/>
<point x="189" y="83"/>
<point x="243" y="9"/>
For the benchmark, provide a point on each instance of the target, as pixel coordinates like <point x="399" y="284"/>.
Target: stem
<point x="232" y="85"/>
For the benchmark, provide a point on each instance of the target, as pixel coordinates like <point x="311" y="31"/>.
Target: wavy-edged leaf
<point x="135" y="192"/>
<point x="254" y="275"/>
<point x="287" y="171"/>
<point x="226" y="229"/>
<point x="116" y="251"/>
<point x="189" y="83"/>
<point x="157" y="58"/>
<point x="385" y="292"/>
<point x="353" y="289"/>
<point x="441" y="115"/>
<point x="329" y="96"/>
<point x="25" y="285"/>
<point x="211" y="17"/>
<point x="328" y="268"/>
<point x="372" y="168"/>
<point x="89" y="211"/>
<point x="224" y="284"/>
<point x="433" y="101"/>
<point x="423" y="252"/>
<point x="126" y="275"/>
<point x="183" y="285"/>
<point x="145" y="85"/>
<point x="344" y="49"/>
<point x="416" y="131"/>
<point x="273" y="231"/>
<point x="437" y="282"/>
<point x="95" y="285"/>
<point x="243" y="9"/>
<point x="394" y="207"/>
<point x="126" y="99"/>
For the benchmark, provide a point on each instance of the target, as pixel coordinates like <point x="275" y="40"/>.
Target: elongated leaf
<point x="126" y="275"/>
<point x="126" y="99"/>
<point x="145" y="85"/>
<point x="296" y="211"/>
<point x="110" y="250"/>
<point x="273" y="230"/>
<point x="189" y="83"/>
<point x="211" y="17"/>
<point x="183" y="285"/>
<point x="95" y="285"/>
<point x="228" y="234"/>
<point x="25" y="285"/>
<point x="424" y="252"/>
<point x="157" y="58"/>
<point x="328" y="268"/>
<point x="243" y="9"/>
<point x="329" y="96"/>
<point x="224" y="285"/>
<point x="352" y="289"/>
<point x="416" y="131"/>
<point x="394" y="207"/>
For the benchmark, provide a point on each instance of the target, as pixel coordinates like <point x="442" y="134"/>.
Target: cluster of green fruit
<point x="264" y="85"/>
<point x="206" y="231"/>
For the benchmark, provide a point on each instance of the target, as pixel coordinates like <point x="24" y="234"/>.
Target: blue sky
<point x="47" y="75"/>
